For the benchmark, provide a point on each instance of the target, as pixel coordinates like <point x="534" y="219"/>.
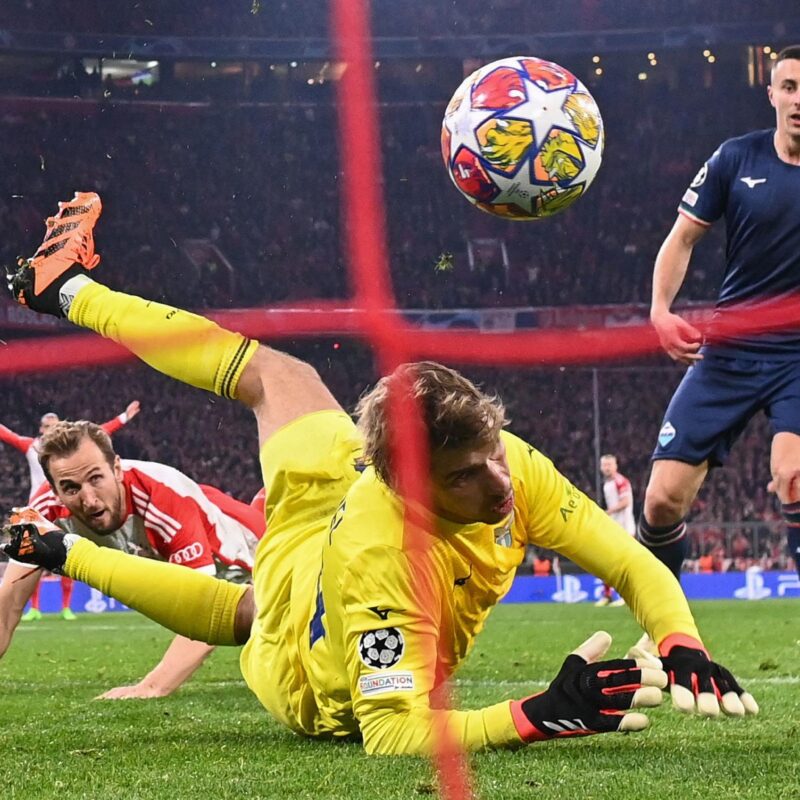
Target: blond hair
<point x="64" y="439"/>
<point x="455" y="412"/>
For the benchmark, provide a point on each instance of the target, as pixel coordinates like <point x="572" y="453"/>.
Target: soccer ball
<point x="522" y="138"/>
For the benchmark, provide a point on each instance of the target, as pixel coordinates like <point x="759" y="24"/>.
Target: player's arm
<point x="21" y="443"/>
<point x="393" y="660"/>
<point x="113" y="425"/>
<point x="190" y="546"/>
<point x="623" y="503"/>
<point x="625" y="499"/>
<point x="589" y="537"/>
<point x="181" y="660"/>
<point x="567" y="521"/>
<point x="680" y="340"/>
<point x="19" y="582"/>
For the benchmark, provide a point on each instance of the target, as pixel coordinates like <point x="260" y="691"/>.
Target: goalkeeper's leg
<point x="185" y="601"/>
<point x="185" y="346"/>
<point x="195" y="350"/>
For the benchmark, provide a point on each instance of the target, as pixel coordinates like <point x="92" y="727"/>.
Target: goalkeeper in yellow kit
<point x="350" y="625"/>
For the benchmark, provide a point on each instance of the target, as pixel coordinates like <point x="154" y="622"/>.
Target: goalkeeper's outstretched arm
<point x="587" y="697"/>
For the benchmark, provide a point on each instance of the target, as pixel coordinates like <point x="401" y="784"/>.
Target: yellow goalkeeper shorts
<point x="308" y="466"/>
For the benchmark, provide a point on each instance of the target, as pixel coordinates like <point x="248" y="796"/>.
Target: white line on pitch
<point x="86" y="628"/>
<point x="774" y="680"/>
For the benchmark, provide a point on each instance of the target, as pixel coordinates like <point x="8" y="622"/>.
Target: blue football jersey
<point x="759" y="196"/>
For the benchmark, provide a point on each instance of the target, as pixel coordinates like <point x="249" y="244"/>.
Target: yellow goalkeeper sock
<point x="185" y="346"/>
<point x="185" y="601"/>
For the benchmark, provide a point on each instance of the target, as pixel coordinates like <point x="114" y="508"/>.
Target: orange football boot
<point x="27" y="514"/>
<point x="67" y="250"/>
<point x="35" y="540"/>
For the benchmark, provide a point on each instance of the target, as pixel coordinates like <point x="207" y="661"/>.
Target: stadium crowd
<point x="263" y="186"/>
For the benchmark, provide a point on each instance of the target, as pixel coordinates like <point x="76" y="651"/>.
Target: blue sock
<point x="668" y="543"/>
<point x="791" y="513"/>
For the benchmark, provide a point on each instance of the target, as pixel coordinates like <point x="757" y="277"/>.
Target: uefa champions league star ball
<point x="522" y="138"/>
<point x="381" y="649"/>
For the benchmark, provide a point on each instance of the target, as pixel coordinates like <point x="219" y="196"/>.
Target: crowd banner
<point x="754" y="584"/>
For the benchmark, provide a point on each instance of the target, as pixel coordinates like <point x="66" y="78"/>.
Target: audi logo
<point x="189" y="553"/>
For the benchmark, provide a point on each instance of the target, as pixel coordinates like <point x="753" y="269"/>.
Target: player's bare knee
<point x="245" y="614"/>
<point x="298" y="370"/>
<point x="288" y="388"/>
<point x="671" y="490"/>
<point x="270" y="369"/>
<point x="663" y="506"/>
<point x="273" y="368"/>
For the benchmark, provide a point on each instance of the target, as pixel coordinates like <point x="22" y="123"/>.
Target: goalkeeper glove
<point x="590" y="696"/>
<point x="35" y="540"/>
<point x="696" y="683"/>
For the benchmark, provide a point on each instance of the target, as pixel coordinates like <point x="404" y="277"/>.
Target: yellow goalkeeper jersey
<point x="386" y="617"/>
<point x="390" y="622"/>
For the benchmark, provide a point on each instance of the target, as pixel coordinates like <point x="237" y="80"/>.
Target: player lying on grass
<point x="349" y="625"/>
<point x="29" y="447"/>
<point x="138" y="507"/>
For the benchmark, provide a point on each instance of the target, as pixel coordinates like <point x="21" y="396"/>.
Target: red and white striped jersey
<point x="614" y="490"/>
<point x="29" y="447"/>
<point x="171" y="517"/>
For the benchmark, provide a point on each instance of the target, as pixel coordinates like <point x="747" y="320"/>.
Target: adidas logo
<point x="566" y="726"/>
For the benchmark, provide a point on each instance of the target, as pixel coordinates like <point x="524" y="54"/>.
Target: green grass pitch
<point x="212" y="740"/>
